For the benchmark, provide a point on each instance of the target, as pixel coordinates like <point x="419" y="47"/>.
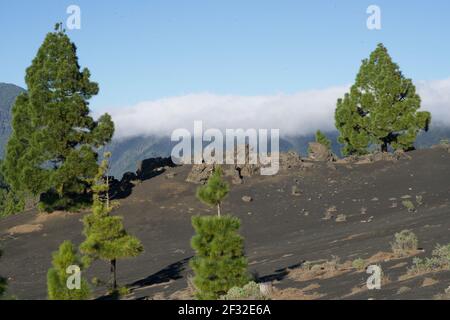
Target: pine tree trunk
<point x="114" y="275"/>
<point x="218" y="209"/>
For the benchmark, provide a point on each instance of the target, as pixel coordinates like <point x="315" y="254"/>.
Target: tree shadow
<point x="169" y="273"/>
<point x="278" y="274"/>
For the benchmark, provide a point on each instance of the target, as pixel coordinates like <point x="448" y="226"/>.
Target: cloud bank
<point x="295" y="114"/>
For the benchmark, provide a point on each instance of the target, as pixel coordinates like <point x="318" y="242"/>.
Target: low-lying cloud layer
<point x="296" y="114"/>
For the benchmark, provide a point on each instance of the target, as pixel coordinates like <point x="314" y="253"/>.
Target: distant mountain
<point x="8" y="95"/>
<point x="126" y="153"/>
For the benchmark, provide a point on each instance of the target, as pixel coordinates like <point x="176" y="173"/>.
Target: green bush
<point x="439" y="260"/>
<point x="57" y="276"/>
<point x="219" y="263"/>
<point x="250" y="291"/>
<point x="359" y="264"/>
<point x="409" y="205"/>
<point x="404" y="243"/>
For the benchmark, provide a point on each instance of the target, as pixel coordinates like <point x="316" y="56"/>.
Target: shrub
<point x="57" y="276"/>
<point x="219" y="263"/>
<point x="251" y="291"/>
<point x="359" y="264"/>
<point x="439" y="260"/>
<point x="405" y="242"/>
<point x="419" y="200"/>
<point x="409" y="205"/>
<point x="442" y="253"/>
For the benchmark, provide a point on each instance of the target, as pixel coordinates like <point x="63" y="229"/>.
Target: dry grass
<point x="399" y="265"/>
<point x="45" y="217"/>
<point x="389" y="256"/>
<point x="362" y="288"/>
<point x="428" y="282"/>
<point x="324" y="270"/>
<point x="312" y="286"/>
<point x="403" y="290"/>
<point x="184" y="294"/>
<point x="295" y="294"/>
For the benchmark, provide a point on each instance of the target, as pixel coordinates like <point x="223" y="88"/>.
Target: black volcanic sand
<point x="281" y="230"/>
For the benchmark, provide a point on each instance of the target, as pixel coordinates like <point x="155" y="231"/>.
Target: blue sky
<point x="145" y="50"/>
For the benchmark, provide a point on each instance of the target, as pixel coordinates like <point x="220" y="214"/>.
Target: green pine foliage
<point x="219" y="263"/>
<point x="10" y="201"/>
<point x="52" y="150"/>
<point x="323" y="140"/>
<point x="57" y="276"/>
<point x="214" y="191"/>
<point x="106" y="237"/>
<point x="380" y="109"/>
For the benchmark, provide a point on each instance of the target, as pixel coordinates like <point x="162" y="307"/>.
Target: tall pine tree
<point x="51" y="152"/>
<point x="106" y="237"/>
<point x="57" y="276"/>
<point x="380" y="109"/>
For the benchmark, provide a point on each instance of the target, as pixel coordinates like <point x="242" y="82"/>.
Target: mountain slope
<point x="8" y="95"/>
<point x="127" y="153"/>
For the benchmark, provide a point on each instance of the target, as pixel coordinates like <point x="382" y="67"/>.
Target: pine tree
<point x="323" y="140"/>
<point x="219" y="263"/>
<point x="214" y="191"/>
<point x="106" y="237"/>
<point x="3" y="282"/>
<point x="380" y="109"/>
<point x="51" y="151"/>
<point x="57" y="276"/>
<point x="10" y="201"/>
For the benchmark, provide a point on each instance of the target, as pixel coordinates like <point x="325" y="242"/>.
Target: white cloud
<point x="295" y="114"/>
<point x="436" y="99"/>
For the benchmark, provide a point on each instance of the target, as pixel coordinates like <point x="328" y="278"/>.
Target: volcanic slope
<point x="303" y="229"/>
